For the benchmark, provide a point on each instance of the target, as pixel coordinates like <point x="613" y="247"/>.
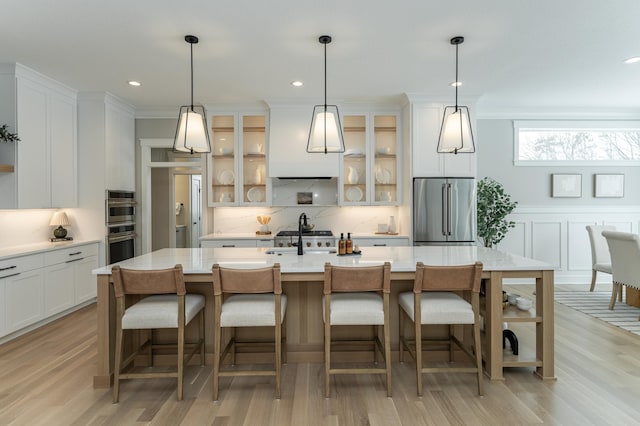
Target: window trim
<point x="571" y="125"/>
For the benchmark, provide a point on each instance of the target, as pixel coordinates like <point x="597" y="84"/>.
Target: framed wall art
<point x="566" y="185"/>
<point x="609" y="185"/>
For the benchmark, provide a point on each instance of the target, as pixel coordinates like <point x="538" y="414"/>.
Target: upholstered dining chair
<point x="166" y="305"/>
<point x="624" y="248"/>
<point x="436" y="300"/>
<point x="356" y="296"/>
<point x="600" y="258"/>
<point x="247" y="298"/>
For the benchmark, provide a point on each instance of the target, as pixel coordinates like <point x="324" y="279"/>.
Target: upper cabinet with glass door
<point x="370" y="161"/>
<point x="237" y="166"/>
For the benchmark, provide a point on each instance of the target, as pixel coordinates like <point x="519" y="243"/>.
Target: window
<point x="577" y="142"/>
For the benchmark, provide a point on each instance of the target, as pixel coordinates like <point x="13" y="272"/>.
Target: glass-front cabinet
<point x="237" y="166"/>
<point x="370" y="162"/>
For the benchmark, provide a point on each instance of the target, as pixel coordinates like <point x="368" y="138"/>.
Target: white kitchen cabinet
<point x="370" y="164"/>
<point x="237" y="165"/>
<point x="119" y="145"/>
<point x="24" y="299"/>
<point x="288" y="156"/>
<point x="44" y="114"/>
<point x="36" y="287"/>
<point x="426" y="120"/>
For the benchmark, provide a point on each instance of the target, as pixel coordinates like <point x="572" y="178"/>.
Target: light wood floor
<point x="46" y="378"/>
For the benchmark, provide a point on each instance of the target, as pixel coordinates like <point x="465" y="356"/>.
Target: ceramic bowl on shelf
<point x="384" y="150"/>
<point x="523" y="303"/>
<point x="512" y="297"/>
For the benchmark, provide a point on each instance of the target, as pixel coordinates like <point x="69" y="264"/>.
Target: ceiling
<point x="517" y="54"/>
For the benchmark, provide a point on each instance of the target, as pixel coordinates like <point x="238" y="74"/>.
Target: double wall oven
<point x="120" y="218"/>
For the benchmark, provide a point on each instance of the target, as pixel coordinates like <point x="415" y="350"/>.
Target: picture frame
<point x="609" y="185"/>
<point x="566" y="185"/>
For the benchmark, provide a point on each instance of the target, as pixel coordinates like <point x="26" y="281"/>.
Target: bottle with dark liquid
<point x="349" y="244"/>
<point x="342" y="245"/>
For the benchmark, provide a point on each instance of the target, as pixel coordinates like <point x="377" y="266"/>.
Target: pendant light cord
<point x="457" y="83"/>
<point x="325" y="98"/>
<point x="192" y="76"/>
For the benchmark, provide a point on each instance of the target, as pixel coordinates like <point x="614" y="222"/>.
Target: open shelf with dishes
<point x="237" y="164"/>
<point x="370" y="162"/>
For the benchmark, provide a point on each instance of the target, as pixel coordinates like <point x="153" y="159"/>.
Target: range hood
<point x="288" y="132"/>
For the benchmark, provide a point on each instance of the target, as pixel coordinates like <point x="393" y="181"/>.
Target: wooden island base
<point x="304" y="327"/>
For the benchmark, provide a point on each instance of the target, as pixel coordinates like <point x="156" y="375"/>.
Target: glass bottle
<point x="349" y="245"/>
<point x="392" y="228"/>
<point x="342" y="244"/>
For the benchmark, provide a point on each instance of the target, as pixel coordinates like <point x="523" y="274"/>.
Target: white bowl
<point x="384" y="150"/>
<point x="512" y="297"/>
<point x="523" y="303"/>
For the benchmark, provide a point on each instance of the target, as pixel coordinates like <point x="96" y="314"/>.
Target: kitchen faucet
<point x="302" y="219"/>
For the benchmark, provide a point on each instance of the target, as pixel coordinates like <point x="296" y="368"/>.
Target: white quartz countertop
<point x="254" y="236"/>
<point x="22" y="250"/>
<point x="403" y="259"/>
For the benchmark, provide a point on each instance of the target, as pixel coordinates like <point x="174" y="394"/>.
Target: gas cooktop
<point x="306" y="234"/>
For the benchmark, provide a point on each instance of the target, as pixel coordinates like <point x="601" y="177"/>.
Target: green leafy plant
<point x="6" y="135"/>
<point x="494" y="205"/>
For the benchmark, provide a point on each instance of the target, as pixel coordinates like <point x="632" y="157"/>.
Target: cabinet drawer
<point x="20" y="264"/>
<point x="70" y="253"/>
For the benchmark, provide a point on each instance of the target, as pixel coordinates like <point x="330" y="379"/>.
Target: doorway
<point x="188" y="209"/>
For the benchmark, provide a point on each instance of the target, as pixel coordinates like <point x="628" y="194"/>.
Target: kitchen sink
<point x="307" y="250"/>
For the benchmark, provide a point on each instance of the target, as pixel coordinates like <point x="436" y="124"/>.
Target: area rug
<point x="596" y="304"/>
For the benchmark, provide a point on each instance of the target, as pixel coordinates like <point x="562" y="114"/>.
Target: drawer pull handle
<point x="74" y="260"/>
<point x="75" y="253"/>
<point x="379" y="245"/>
<point x="12" y="275"/>
<point x="228" y="245"/>
<point x="8" y="267"/>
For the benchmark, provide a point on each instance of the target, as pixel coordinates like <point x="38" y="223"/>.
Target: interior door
<point x="196" y="210"/>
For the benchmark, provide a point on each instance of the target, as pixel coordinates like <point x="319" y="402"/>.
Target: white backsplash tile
<point x="337" y="219"/>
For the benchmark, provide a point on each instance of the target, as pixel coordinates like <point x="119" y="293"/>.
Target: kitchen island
<point x="302" y="278"/>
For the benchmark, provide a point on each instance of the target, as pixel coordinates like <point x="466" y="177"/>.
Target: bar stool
<point x="166" y="306"/>
<point x="357" y="296"/>
<point x="247" y="298"/>
<point x="435" y="300"/>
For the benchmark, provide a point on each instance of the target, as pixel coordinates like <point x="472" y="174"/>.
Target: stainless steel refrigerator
<point x="444" y="211"/>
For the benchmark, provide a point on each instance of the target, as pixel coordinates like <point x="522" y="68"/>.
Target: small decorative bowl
<point x="512" y="297"/>
<point x="523" y="303"/>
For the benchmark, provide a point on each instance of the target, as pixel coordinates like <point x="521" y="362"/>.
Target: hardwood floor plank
<point x="46" y="379"/>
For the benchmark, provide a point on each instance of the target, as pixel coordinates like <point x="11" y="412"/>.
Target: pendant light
<point x="191" y="133"/>
<point x="325" y="135"/>
<point x="455" y="133"/>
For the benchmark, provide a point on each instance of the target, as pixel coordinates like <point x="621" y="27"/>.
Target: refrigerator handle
<point x="444" y="209"/>
<point x="448" y="209"/>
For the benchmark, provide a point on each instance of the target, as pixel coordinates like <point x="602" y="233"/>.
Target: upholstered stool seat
<point x="166" y="306"/>
<point x="356" y="296"/>
<point x="600" y="257"/>
<point x="161" y="311"/>
<point x="436" y="299"/>
<point x="247" y="298"/>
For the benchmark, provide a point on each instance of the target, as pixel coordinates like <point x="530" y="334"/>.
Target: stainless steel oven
<point x="120" y="218"/>
<point x="120" y="207"/>
<point x="121" y="240"/>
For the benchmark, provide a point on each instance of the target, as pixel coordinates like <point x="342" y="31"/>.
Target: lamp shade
<point x="59" y="219"/>
<point x="455" y="133"/>
<point x="191" y="133"/>
<point x="325" y="134"/>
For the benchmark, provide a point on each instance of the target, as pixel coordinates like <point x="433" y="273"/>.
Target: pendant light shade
<point x="192" y="134"/>
<point x="456" y="135"/>
<point x="325" y="134"/>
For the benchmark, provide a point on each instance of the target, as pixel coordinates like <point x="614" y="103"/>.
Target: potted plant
<point x="6" y="136"/>
<point x="494" y="205"/>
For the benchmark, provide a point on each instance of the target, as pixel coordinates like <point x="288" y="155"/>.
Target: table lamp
<point x="60" y="220"/>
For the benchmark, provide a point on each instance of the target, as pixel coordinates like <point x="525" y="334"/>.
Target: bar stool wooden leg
<point x="118" y="362"/>
<point x="217" y="337"/>
<point x="387" y="344"/>
<point x="180" y="361"/>
<point x="478" y="350"/>
<point x="327" y="347"/>
<point x="401" y="316"/>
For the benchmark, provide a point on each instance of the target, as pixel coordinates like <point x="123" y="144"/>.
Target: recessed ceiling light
<point x="632" y="60"/>
<point x="134" y="83"/>
<point x="297" y="83"/>
<point x="456" y="84"/>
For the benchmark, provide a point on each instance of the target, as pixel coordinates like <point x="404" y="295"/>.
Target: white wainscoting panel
<point x="557" y="235"/>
